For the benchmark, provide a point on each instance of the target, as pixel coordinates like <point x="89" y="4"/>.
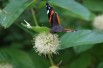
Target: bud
<point x="46" y="43"/>
<point x="27" y="24"/>
<point x="53" y="67"/>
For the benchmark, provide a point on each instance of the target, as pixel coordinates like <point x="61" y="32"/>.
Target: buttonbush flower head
<point x="98" y="22"/>
<point x="5" y="65"/>
<point x="46" y="43"/>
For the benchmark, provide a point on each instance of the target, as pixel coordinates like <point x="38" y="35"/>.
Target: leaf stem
<point x="34" y="17"/>
<point x="51" y="60"/>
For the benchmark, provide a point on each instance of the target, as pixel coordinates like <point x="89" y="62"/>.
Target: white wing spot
<point x="47" y="11"/>
<point x="49" y="7"/>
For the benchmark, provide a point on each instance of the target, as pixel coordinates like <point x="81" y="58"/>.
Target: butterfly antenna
<point x="46" y="0"/>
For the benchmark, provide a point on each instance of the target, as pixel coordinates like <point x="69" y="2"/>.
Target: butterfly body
<point x="54" y="20"/>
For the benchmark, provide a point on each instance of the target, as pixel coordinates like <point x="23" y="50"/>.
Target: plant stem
<point x="51" y="60"/>
<point x="34" y="17"/>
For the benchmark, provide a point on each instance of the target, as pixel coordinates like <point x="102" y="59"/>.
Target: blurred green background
<point x="81" y="49"/>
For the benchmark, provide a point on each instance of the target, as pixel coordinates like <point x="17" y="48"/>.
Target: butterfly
<point x="54" y="20"/>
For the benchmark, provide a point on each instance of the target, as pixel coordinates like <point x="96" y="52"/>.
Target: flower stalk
<point x="51" y="60"/>
<point x="34" y="17"/>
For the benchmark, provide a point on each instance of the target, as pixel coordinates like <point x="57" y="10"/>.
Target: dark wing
<point x="52" y="16"/>
<point x="50" y="11"/>
<point x="56" y="27"/>
<point x="54" y="20"/>
<point x="69" y="30"/>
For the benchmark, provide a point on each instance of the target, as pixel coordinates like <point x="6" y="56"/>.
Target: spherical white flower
<point x="98" y="22"/>
<point x="5" y="65"/>
<point x="46" y="43"/>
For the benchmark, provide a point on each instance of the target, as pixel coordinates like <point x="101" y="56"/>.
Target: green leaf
<point x="25" y="29"/>
<point x="90" y="4"/>
<point x="74" y="8"/>
<point x="100" y="65"/>
<point x="82" y="48"/>
<point x="18" y="58"/>
<point x="82" y="62"/>
<point x="82" y="37"/>
<point x="12" y="11"/>
<point x="39" y="61"/>
<point x="40" y="29"/>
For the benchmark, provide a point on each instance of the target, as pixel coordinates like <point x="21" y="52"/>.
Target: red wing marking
<point x="52" y="12"/>
<point x="69" y="30"/>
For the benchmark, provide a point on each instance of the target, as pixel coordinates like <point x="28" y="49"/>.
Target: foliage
<point x="80" y="49"/>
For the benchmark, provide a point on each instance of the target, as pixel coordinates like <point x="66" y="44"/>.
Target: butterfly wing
<point x="52" y="16"/>
<point x="54" y="20"/>
<point x="56" y="27"/>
